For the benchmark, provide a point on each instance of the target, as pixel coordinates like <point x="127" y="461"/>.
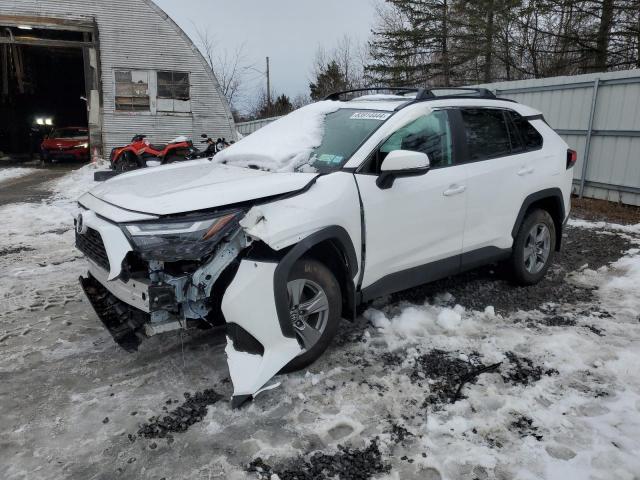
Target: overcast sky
<point x="288" y="31"/>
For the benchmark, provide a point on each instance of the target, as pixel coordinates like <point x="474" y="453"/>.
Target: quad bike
<point x="141" y="153"/>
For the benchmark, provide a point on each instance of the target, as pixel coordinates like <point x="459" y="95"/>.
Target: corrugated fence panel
<point x="613" y="168"/>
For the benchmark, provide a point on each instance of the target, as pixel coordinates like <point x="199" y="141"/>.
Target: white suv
<point x="296" y="225"/>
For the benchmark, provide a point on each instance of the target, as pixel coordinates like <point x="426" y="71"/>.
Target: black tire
<point x="125" y="163"/>
<point x="520" y="262"/>
<point x="319" y="274"/>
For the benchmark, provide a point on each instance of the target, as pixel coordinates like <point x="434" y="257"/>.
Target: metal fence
<point x="599" y="116"/>
<point x="245" y="128"/>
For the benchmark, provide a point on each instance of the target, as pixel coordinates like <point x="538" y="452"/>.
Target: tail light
<point x="572" y="158"/>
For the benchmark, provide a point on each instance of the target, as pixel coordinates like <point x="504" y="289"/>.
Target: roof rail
<point x="423" y="93"/>
<point x="336" y="95"/>
<point x="458" y="92"/>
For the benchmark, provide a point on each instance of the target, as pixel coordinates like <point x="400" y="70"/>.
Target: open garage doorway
<point x="46" y="82"/>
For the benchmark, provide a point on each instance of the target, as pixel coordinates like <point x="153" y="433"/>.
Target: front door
<point x="413" y="230"/>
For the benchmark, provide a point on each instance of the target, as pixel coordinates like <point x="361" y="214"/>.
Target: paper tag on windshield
<point x="370" y="116"/>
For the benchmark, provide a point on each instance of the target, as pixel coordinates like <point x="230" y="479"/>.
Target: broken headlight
<point x="180" y="239"/>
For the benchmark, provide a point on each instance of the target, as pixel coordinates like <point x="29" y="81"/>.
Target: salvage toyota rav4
<point x="289" y="230"/>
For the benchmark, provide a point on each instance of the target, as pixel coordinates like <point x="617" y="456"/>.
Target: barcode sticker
<point x="370" y="116"/>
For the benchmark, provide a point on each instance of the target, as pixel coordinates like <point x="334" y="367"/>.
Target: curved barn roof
<point x="195" y="49"/>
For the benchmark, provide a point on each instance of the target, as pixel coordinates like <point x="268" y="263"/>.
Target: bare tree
<point x="229" y="66"/>
<point x="348" y="55"/>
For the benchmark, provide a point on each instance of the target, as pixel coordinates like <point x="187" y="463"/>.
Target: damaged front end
<point x="156" y="276"/>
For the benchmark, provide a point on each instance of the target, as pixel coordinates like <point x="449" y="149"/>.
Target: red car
<point x="66" y="143"/>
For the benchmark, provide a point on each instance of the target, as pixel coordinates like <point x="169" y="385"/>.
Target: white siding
<point x="136" y="34"/>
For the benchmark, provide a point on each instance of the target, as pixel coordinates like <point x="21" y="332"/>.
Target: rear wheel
<point x="125" y="163"/>
<point x="533" y="248"/>
<point x="315" y="309"/>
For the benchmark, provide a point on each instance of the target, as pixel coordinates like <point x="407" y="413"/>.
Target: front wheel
<point x="533" y="248"/>
<point x="315" y="309"/>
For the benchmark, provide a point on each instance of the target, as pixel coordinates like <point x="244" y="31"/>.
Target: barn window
<point x="173" y="85"/>
<point x="132" y="90"/>
<point x="173" y="92"/>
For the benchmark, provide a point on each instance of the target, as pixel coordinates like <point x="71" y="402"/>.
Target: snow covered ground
<point x="15" y="172"/>
<point x="468" y="378"/>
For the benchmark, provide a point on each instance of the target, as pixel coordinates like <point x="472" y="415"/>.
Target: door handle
<point x="525" y="171"/>
<point x="454" y="190"/>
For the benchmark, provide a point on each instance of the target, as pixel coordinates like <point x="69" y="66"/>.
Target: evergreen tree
<point x="412" y="44"/>
<point x="456" y="42"/>
<point x="328" y="80"/>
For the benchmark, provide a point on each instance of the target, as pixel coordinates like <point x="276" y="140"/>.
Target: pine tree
<point x="328" y="80"/>
<point x="411" y="45"/>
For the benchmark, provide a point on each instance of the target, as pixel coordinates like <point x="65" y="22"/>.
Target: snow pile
<point x="283" y="145"/>
<point x="73" y="185"/>
<point x="575" y="222"/>
<point x="11" y="173"/>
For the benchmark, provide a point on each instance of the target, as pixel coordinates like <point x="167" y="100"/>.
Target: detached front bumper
<point x="124" y="322"/>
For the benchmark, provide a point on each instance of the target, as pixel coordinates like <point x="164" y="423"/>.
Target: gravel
<point x="489" y="285"/>
<point x="346" y="463"/>
<point x="398" y="433"/>
<point x="192" y="410"/>
<point x="525" y="427"/>
<point x="447" y="374"/>
<point x="523" y="371"/>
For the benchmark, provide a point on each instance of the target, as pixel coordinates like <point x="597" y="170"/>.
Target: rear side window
<point x="529" y="136"/>
<point x="486" y="132"/>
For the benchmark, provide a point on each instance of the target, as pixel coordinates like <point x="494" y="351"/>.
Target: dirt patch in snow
<point x="603" y="210"/>
<point x="524" y="426"/>
<point x="488" y="286"/>
<point x="446" y="374"/>
<point x="191" y="411"/>
<point x="523" y="371"/>
<point x="346" y="464"/>
<point x="14" y="250"/>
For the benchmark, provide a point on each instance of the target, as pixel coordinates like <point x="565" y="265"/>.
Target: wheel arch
<point x="552" y="201"/>
<point x="332" y="246"/>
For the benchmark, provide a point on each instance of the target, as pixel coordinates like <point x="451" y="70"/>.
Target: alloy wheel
<point x="537" y="247"/>
<point x="308" y="310"/>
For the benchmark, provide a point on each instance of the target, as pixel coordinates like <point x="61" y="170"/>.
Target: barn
<point x="121" y="67"/>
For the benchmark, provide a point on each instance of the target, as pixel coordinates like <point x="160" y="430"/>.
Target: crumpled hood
<point x="194" y="185"/>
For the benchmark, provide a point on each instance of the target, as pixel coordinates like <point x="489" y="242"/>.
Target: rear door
<point x="500" y="170"/>
<point x="420" y="219"/>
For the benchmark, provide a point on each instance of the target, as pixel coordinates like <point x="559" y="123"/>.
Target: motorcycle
<point x="141" y="153"/>
<point x="208" y="152"/>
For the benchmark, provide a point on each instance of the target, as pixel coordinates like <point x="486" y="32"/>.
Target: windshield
<point x="69" y="133"/>
<point x="344" y="131"/>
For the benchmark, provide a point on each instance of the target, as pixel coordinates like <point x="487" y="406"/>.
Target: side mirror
<point x="402" y="163"/>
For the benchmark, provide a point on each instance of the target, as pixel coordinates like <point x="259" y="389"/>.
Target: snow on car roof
<point x="282" y="145"/>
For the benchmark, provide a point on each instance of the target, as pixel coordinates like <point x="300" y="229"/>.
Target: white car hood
<point x="194" y="185"/>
